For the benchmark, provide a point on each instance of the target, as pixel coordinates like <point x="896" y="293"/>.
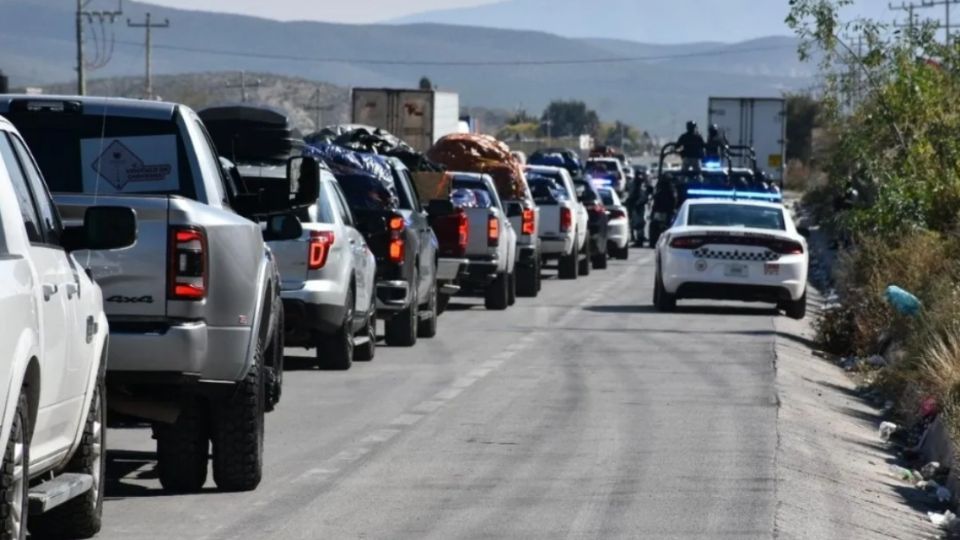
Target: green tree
<point x="569" y="118"/>
<point x="803" y="111"/>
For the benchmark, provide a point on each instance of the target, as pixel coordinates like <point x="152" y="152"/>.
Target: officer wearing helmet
<point x="691" y="147"/>
<point x="716" y="144"/>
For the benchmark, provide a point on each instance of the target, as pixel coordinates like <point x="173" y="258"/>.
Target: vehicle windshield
<point x="107" y="155"/>
<point x="606" y="196"/>
<point x="545" y="180"/>
<point x="736" y="215"/>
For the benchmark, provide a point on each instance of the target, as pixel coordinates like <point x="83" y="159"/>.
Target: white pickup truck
<point x="564" y="224"/>
<point x="54" y="339"/>
<point x="492" y="254"/>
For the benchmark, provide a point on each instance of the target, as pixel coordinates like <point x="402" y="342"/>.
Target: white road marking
<point x="406" y="419"/>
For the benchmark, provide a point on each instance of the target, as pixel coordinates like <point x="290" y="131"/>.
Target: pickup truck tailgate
<point x="133" y="280"/>
<point x="477" y="241"/>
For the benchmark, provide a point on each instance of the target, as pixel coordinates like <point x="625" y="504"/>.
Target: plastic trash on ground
<point x="887" y="429"/>
<point x="907" y="475"/>
<point x="902" y="301"/>
<point x="946" y="520"/>
<point x="943" y="494"/>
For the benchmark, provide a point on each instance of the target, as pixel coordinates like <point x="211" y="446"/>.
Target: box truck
<point x="419" y="117"/>
<point x="760" y="123"/>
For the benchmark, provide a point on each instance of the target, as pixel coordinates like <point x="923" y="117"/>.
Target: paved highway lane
<point x="581" y="414"/>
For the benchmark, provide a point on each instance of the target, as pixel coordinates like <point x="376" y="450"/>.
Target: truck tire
<point x="600" y="261"/>
<point x="14" y="476"/>
<point x="81" y="517"/>
<point x="335" y="352"/>
<point x="401" y="329"/>
<point x="568" y="265"/>
<point x="623" y="254"/>
<point x="427" y="328"/>
<point x="497" y="297"/>
<point x="512" y="290"/>
<point x="528" y="279"/>
<point x="275" y="373"/>
<point x="443" y="301"/>
<point x="365" y="353"/>
<point x="584" y="265"/>
<point x="796" y="309"/>
<point x="238" y="434"/>
<point x="183" y="450"/>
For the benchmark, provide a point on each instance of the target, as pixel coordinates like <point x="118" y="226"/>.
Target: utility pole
<point x="83" y="16"/>
<point x="149" y="26"/>
<point x="243" y="86"/>
<point x="318" y="109"/>
<point x="946" y="5"/>
<point x="911" y="16"/>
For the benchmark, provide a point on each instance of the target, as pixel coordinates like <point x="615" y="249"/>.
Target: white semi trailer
<point x="419" y="117"/>
<point x="760" y="123"/>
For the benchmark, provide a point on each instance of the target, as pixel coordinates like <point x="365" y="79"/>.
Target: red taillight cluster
<point x="687" y="242"/>
<point x="617" y="214"/>
<point x="321" y="242"/>
<point x="397" y="250"/>
<point x="187" y="275"/>
<point x="566" y="219"/>
<point x="493" y="231"/>
<point x="596" y="208"/>
<point x="528" y="225"/>
<point x="463" y="231"/>
<point x="786" y="247"/>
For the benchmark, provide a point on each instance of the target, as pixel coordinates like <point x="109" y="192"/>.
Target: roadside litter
<point x="887" y="429"/>
<point x="946" y="521"/>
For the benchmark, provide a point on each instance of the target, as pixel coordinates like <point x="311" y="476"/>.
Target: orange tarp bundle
<point x="467" y="152"/>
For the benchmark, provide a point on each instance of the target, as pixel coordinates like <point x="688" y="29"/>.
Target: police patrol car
<point x="733" y="246"/>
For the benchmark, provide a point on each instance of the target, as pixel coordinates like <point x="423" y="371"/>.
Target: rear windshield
<point x="736" y="215"/>
<point x="365" y="192"/>
<point x="607" y="196"/>
<point x="471" y="194"/>
<point x="551" y="180"/>
<point x="107" y="154"/>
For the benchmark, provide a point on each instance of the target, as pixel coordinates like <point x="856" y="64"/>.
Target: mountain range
<point x="655" y="87"/>
<point x="652" y="21"/>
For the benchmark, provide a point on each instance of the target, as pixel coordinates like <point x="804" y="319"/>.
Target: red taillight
<point x="566" y="219"/>
<point x="687" y="242"/>
<point x="617" y="214"/>
<point x="787" y="248"/>
<point x="596" y="208"/>
<point x="463" y="231"/>
<point x="527" y="226"/>
<point x="187" y="275"/>
<point x="493" y="231"/>
<point x="321" y="242"/>
<point x="397" y="250"/>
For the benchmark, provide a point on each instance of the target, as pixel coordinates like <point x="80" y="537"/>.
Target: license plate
<point x="771" y="269"/>
<point x="736" y="270"/>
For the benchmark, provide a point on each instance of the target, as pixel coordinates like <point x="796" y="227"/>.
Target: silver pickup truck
<point x="194" y="306"/>
<point x="493" y="252"/>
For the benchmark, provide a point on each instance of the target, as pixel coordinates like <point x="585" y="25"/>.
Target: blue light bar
<point x="732" y="194"/>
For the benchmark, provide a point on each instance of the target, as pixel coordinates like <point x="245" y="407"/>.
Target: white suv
<point x="327" y="281"/>
<point x="54" y="341"/>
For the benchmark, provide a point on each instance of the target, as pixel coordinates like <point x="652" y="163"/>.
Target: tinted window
<point x="365" y="192"/>
<point x="736" y="215"/>
<point x="607" y="196"/>
<point x="107" y="154"/>
<point x="408" y="193"/>
<point x="22" y="190"/>
<point x="340" y="206"/>
<point x="586" y="192"/>
<point x="49" y="217"/>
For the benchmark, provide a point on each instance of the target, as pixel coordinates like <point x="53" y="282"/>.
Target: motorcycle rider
<point x="691" y="147"/>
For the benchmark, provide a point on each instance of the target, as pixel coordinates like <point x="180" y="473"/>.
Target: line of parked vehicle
<point x="217" y="240"/>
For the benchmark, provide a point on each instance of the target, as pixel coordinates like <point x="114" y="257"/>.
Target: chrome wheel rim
<point x="17" y="491"/>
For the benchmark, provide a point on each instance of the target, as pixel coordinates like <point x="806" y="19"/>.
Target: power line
<point x="910" y="9"/>
<point x="149" y="26"/>
<point x="461" y="63"/>
<point x="243" y="85"/>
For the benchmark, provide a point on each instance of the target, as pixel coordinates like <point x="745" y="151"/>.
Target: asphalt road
<point x="581" y="414"/>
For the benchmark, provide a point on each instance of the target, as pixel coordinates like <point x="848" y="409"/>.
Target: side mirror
<point x="440" y="207"/>
<point x="104" y="227"/>
<point x="514" y="209"/>
<point x="282" y="227"/>
<point x="303" y="173"/>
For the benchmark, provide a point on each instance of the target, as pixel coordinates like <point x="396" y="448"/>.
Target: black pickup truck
<point x="396" y="227"/>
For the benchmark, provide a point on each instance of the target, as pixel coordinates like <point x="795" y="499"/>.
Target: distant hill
<point x="649" y="21"/>
<point x="656" y="94"/>
<point x="201" y="90"/>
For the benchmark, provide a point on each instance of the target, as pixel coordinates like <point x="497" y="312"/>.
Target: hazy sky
<point x="348" y="11"/>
